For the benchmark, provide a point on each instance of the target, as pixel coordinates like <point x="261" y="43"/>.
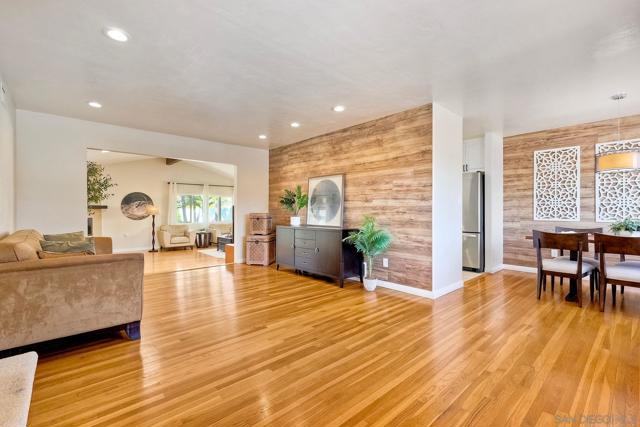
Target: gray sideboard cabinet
<point x="318" y="250"/>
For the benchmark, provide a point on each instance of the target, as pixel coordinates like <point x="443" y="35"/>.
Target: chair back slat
<point x="562" y="241"/>
<point x="622" y="245"/>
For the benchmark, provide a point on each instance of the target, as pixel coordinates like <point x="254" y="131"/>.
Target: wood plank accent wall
<point x="518" y="179"/>
<point x="387" y="167"/>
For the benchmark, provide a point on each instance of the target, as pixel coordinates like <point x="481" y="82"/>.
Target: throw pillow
<point x="76" y="236"/>
<point x="87" y="246"/>
<point x="47" y="254"/>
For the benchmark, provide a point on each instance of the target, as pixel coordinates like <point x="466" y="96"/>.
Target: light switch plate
<point x="385" y="262"/>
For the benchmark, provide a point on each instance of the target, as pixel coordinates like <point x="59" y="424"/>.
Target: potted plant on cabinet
<point x="627" y="227"/>
<point x="371" y="241"/>
<point x="294" y="201"/>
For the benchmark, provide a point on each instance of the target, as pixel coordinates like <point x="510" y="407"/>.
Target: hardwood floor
<point x="240" y="346"/>
<point x="178" y="260"/>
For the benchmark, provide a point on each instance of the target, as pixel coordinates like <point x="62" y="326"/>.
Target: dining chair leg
<point x="539" y="284"/>
<point x="561" y="280"/>
<point x="579" y="292"/>
<point x="621" y="290"/>
<point x="553" y="282"/>
<point x="613" y="294"/>
<point x="544" y="282"/>
<point x="592" y="279"/>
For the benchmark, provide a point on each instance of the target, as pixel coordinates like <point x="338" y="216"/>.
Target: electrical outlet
<point x="385" y="262"/>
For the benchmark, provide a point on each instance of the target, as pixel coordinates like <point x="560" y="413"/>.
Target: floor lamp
<point x="153" y="211"/>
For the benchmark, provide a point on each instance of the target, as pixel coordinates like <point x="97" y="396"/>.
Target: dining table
<point x="572" y="296"/>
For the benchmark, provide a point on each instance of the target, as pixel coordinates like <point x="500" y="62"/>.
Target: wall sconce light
<point x="619" y="160"/>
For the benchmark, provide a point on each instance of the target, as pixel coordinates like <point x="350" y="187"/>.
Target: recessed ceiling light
<point x="339" y="108"/>
<point x="95" y="104"/>
<point x="105" y="151"/>
<point x="116" y="34"/>
<point x="262" y="136"/>
<point x="295" y="125"/>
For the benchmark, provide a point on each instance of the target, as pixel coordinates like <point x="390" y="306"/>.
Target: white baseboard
<point x="406" y="289"/>
<point x="421" y="292"/>
<point x="519" y="268"/>
<point x="448" y="289"/>
<point x="496" y="269"/>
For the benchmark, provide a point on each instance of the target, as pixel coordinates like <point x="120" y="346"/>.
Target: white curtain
<point x="172" y="216"/>
<point x="205" y="203"/>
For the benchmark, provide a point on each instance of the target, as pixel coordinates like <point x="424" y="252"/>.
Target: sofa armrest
<point x="192" y="237"/>
<point x="164" y="237"/>
<point x="104" y="245"/>
<point x="58" y="297"/>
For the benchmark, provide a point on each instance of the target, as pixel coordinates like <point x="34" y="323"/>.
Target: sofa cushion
<point x="30" y="237"/>
<point x="179" y="239"/>
<point x="176" y="230"/>
<point x="12" y="252"/>
<point x="76" y="236"/>
<point x="84" y="246"/>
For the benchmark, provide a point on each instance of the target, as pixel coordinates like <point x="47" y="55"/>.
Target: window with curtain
<point x="202" y="204"/>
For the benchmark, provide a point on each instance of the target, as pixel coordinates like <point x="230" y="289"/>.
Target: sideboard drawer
<point x="305" y="243"/>
<point x="305" y="264"/>
<point x="305" y="234"/>
<point x="305" y="252"/>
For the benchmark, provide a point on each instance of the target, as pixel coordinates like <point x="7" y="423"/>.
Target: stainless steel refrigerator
<point x="473" y="221"/>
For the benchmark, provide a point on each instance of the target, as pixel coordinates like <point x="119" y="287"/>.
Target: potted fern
<point x="371" y="241"/>
<point x="626" y="227"/>
<point x="294" y="201"/>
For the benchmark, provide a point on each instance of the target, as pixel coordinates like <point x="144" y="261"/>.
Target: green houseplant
<point x="371" y="242"/>
<point x="99" y="184"/>
<point x="294" y="201"/>
<point x="626" y="227"/>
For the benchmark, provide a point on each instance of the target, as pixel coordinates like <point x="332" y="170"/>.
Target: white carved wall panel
<point x="617" y="192"/>
<point x="610" y="147"/>
<point x="556" y="190"/>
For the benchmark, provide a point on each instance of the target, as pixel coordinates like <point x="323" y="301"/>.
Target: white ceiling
<point x="230" y="70"/>
<point x="111" y="157"/>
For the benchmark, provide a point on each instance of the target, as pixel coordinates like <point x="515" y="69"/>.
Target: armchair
<point x="176" y="236"/>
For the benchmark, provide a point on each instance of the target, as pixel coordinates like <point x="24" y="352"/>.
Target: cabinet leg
<point x="342" y="282"/>
<point x="277" y="266"/>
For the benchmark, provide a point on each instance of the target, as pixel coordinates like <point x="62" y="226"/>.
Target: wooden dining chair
<point x="591" y="260"/>
<point x="563" y="266"/>
<point x="623" y="273"/>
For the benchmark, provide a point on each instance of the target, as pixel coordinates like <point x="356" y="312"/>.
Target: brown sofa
<point x="44" y="299"/>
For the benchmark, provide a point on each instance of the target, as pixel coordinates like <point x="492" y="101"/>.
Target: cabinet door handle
<point x="317" y="250"/>
<point x="293" y="246"/>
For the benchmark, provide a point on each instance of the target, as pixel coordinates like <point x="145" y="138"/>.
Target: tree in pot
<point x="626" y="227"/>
<point x="370" y="241"/>
<point x="99" y="184"/>
<point x="294" y="201"/>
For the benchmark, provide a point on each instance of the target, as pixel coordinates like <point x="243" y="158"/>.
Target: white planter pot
<point x="629" y="233"/>
<point x="370" y="284"/>
<point x="295" y="221"/>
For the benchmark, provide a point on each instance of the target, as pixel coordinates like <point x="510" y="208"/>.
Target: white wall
<point x="447" y="201"/>
<point x="149" y="176"/>
<point x="493" y="201"/>
<point x="7" y="164"/>
<point x="51" y="171"/>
